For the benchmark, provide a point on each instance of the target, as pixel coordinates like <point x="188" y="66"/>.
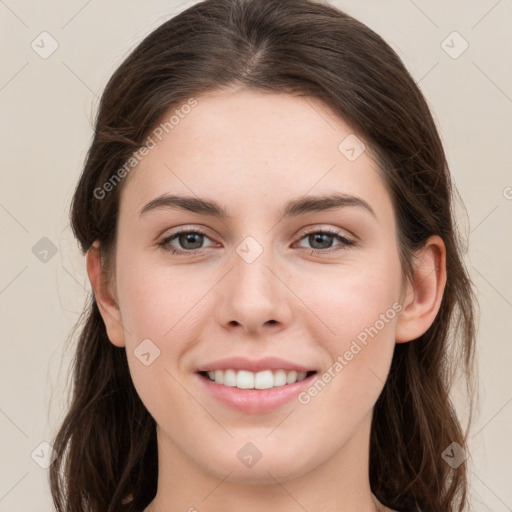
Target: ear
<point x="105" y="297"/>
<point x="424" y="295"/>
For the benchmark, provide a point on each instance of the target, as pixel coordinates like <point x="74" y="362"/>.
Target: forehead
<point x="249" y="146"/>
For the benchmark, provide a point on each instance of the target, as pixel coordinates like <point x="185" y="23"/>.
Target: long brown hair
<point x="107" y="453"/>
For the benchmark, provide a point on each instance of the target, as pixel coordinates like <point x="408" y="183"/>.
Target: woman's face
<point x="251" y="290"/>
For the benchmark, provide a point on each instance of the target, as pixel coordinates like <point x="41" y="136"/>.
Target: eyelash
<point x="346" y="243"/>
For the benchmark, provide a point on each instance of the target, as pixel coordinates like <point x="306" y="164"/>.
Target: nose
<point x="254" y="296"/>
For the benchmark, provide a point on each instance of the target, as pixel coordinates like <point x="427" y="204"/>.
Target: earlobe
<point x="425" y="293"/>
<point x="105" y="299"/>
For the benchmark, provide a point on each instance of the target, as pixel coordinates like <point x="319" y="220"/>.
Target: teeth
<point x="265" y="379"/>
<point x="291" y="377"/>
<point x="245" y="380"/>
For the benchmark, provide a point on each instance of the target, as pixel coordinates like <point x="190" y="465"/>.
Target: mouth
<point x="254" y="393"/>
<point x="265" y="379"/>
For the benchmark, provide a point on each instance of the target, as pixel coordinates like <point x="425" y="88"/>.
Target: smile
<point x="251" y="400"/>
<point x="266" y="379"/>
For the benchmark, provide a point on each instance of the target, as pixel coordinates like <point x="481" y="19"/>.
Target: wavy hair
<point x="106" y="446"/>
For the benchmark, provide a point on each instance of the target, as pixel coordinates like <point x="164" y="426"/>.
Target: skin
<point x="252" y="152"/>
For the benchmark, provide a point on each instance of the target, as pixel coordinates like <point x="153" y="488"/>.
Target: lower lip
<point x="255" y="401"/>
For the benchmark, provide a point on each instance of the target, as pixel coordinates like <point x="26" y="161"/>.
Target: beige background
<point x="46" y="125"/>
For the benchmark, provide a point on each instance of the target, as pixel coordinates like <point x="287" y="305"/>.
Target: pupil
<point x="189" y="237"/>
<point x="319" y="236"/>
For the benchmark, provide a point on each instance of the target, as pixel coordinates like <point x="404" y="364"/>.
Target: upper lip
<point x="253" y="365"/>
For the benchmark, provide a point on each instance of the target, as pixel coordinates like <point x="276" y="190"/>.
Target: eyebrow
<point x="293" y="208"/>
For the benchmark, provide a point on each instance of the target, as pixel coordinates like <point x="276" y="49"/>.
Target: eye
<point x="189" y="239"/>
<point x="323" y="239"/>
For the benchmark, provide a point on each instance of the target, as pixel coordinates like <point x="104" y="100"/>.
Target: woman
<point x="280" y="300"/>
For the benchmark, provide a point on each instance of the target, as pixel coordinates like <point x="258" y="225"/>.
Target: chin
<point x="247" y="465"/>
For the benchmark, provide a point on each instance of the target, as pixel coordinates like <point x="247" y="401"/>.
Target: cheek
<point x="154" y="299"/>
<point x="163" y="312"/>
<point x="358" y="309"/>
<point x="362" y="312"/>
<point x="157" y="307"/>
<point x="353" y="297"/>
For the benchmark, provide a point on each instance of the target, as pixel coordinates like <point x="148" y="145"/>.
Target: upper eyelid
<point x="330" y="230"/>
<point x="308" y="229"/>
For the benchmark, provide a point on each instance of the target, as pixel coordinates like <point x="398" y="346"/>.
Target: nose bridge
<point x="253" y="261"/>
<point x="254" y="295"/>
